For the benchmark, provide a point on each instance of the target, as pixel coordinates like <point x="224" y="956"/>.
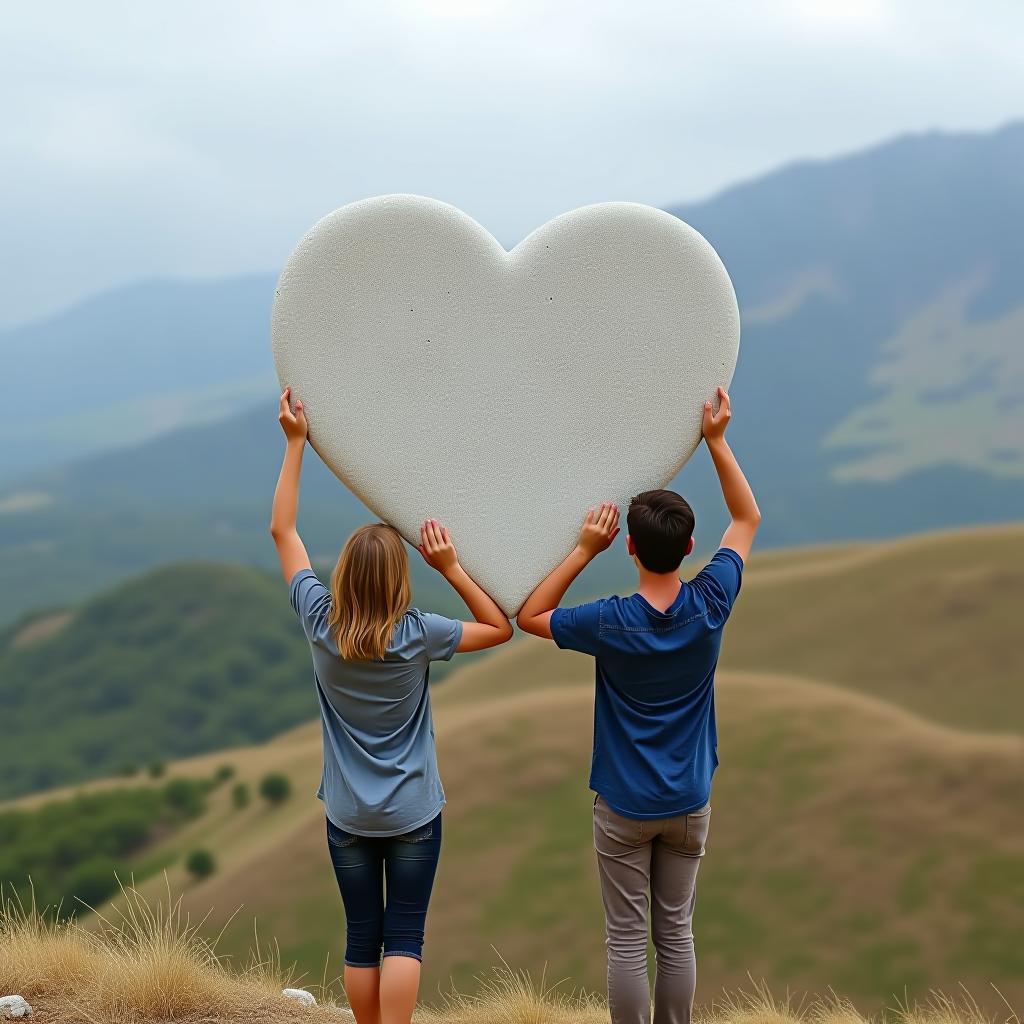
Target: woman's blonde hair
<point x="370" y="592"/>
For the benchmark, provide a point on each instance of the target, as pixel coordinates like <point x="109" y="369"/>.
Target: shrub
<point x="156" y="769"/>
<point x="224" y="772"/>
<point x="200" y="864"/>
<point x="275" y="788"/>
<point x="184" y="795"/>
<point x="240" y="795"/>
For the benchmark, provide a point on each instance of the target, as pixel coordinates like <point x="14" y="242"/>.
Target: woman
<point x="380" y="785"/>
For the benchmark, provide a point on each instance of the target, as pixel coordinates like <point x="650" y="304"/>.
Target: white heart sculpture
<point x="503" y="392"/>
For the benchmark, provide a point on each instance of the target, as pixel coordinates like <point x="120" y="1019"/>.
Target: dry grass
<point x="152" y="965"/>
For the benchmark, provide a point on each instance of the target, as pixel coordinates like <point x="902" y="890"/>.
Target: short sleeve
<point x="719" y="581"/>
<point x="577" y="629"/>
<point x="441" y="636"/>
<point x="310" y="599"/>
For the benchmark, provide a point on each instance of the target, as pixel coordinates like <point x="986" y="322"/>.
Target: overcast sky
<point x="197" y="139"/>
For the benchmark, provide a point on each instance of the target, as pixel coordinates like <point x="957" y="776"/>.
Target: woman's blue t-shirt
<point x="380" y="767"/>
<point x="655" y="741"/>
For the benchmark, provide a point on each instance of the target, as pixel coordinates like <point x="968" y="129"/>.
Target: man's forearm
<point x="285" y="509"/>
<point x="739" y="498"/>
<point x="551" y="591"/>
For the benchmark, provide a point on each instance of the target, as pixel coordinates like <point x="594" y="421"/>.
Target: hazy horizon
<point x="204" y="145"/>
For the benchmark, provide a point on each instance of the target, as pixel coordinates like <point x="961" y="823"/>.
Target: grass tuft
<point x="940" y="1008"/>
<point x="513" y="997"/>
<point x="41" y="953"/>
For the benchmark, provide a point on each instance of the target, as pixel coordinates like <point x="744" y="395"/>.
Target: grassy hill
<point x="200" y="657"/>
<point x="852" y="844"/>
<point x="927" y="622"/>
<point x="869" y="844"/>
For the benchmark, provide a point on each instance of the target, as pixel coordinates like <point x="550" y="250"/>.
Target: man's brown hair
<point x="660" y="524"/>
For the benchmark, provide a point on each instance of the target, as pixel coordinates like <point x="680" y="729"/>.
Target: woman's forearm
<point x="285" y="510"/>
<point x="480" y="604"/>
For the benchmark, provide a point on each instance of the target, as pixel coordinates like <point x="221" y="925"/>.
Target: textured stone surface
<point x="300" y="995"/>
<point x="503" y="392"/>
<point x="13" y="1007"/>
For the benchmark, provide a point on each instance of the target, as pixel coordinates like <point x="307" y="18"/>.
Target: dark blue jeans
<point x="406" y="864"/>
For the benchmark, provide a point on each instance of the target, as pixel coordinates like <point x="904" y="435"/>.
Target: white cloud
<point x="204" y="138"/>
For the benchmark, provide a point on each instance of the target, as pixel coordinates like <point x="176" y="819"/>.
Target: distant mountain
<point x="131" y="364"/>
<point x="880" y="386"/>
<point x="883" y="305"/>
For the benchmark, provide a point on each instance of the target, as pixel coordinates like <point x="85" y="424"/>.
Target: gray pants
<point x="662" y="857"/>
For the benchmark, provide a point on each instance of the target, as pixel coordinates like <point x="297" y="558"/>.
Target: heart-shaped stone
<point x="503" y="392"/>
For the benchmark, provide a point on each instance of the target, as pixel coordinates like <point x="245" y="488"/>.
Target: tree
<point x="240" y="795"/>
<point x="275" y="788"/>
<point x="200" y="864"/>
<point x="156" y="769"/>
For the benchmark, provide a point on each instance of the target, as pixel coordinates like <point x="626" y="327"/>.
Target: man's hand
<point x="599" y="529"/>
<point x="292" y="423"/>
<point x="714" y="423"/>
<point x="436" y="547"/>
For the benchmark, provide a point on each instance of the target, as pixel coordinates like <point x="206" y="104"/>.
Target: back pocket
<point x="339" y="837"/>
<point x="697" y="823"/>
<point x="628" y="831"/>
<point x="418" y="835"/>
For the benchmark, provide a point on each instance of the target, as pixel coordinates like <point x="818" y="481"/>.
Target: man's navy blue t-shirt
<point x="655" y="741"/>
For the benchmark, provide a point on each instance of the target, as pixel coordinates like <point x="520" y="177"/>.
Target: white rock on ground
<point x="300" y="995"/>
<point x="14" y="1006"/>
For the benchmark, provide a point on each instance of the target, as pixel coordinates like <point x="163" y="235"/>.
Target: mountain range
<point x="879" y="390"/>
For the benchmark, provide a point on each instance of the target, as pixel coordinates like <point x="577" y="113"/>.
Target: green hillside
<point x="864" y="840"/>
<point x="182" y="660"/>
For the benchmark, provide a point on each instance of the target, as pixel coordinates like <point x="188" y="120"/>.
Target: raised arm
<point x="599" y="529"/>
<point x="290" y="549"/>
<point x="491" y="626"/>
<point x="739" y="498"/>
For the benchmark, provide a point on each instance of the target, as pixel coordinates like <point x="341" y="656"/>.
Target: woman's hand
<point x="491" y="626"/>
<point x="436" y="547"/>
<point x="285" y="510"/>
<point x="599" y="529"/>
<point x="292" y="423"/>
